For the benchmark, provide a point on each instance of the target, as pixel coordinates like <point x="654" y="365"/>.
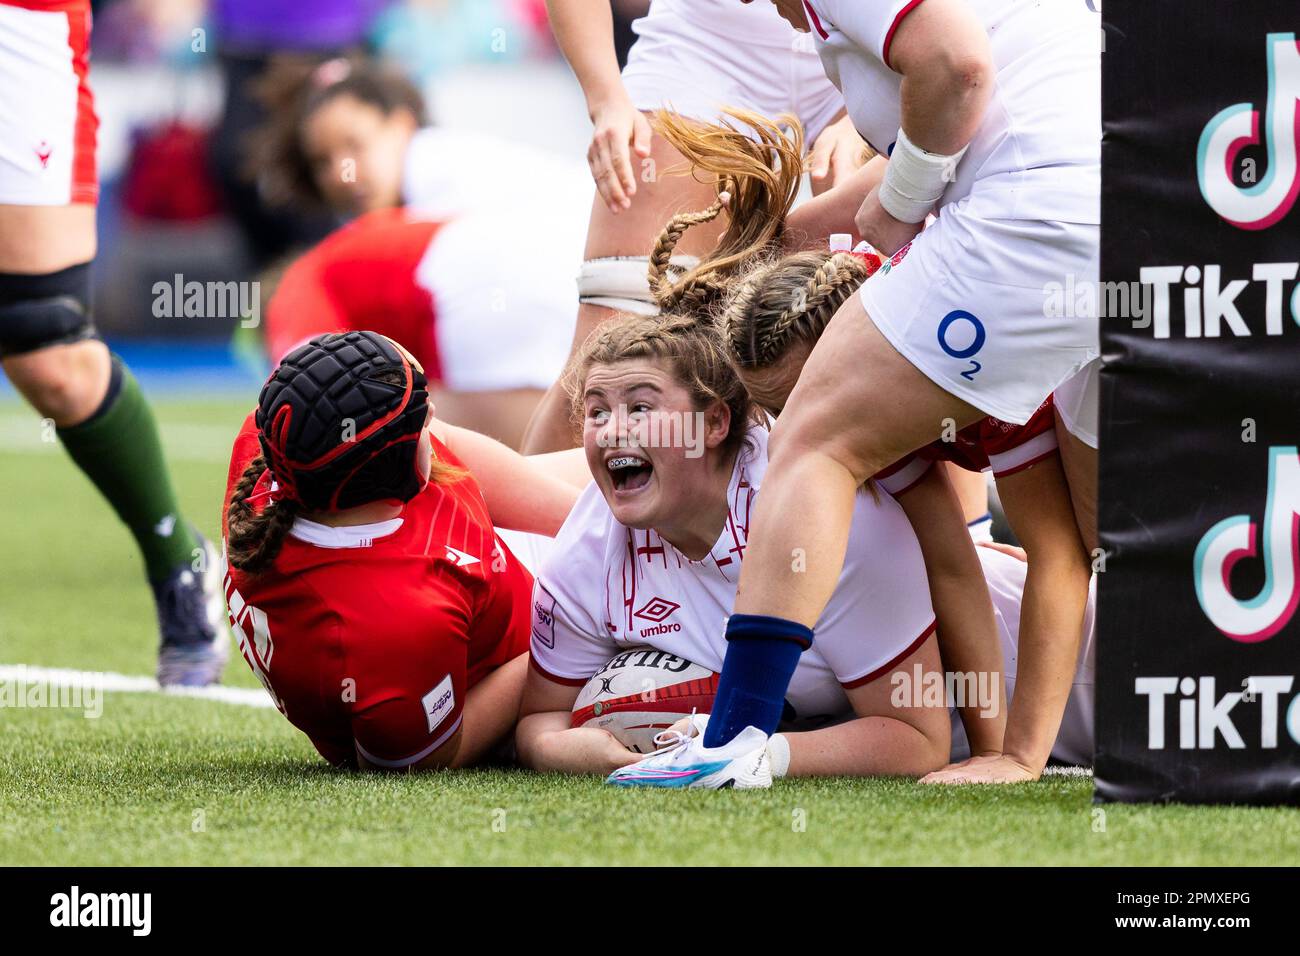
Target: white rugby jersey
<point x="1041" y="134"/>
<point x="607" y="587"/>
<point x="740" y="25"/>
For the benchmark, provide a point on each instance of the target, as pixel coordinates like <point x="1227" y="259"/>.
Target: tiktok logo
<point x="1235" y="538"/>
<point x="1262" y="204"/>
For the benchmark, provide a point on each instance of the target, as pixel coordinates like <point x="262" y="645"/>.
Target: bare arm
<point x="968" y="633"/>
<point x="834" y="210"/>
<point x="884" y="739"/>
<point x="491" y="709"/>
<point x="546" y="742"/>
<point x="523" y="494"/>
<point x="942" y="52"/>
<point x="584" y="30"/>
<point x="1037" y="504"/>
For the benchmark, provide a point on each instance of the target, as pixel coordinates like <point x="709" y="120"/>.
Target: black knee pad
<point x="37" y="311"/>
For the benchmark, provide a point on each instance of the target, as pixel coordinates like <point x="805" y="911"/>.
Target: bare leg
<point x="40" y="239"/>
<point x="1080" y="463"/>
<point x="972" y="489"/>
<point x="632" y="232"/>
<point x="64" y="383"/>
<point x="857" y="407"/>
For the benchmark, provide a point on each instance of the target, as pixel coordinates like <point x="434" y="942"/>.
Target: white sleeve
<point x="880" y="611"/>
<point x="569" y="639"/>
<point x="870" y="24"/>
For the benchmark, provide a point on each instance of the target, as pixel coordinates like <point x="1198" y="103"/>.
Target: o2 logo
<point x="961" y="326"/>
<point x="1259" y="618"/>
<point x="1262" y="204"/>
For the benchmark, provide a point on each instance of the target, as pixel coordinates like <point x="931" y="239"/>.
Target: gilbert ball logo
<point x="1260" y="617"/>
<point x="1259" y="202"/>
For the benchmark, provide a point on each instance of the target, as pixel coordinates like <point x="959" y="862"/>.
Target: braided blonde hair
<point x="757" y="176"/>
<point x="780" y="303"/>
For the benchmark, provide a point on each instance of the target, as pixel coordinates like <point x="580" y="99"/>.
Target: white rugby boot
<point x="683" y="761"/>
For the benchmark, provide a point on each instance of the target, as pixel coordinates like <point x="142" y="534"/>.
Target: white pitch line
<point x="129" y="684"/>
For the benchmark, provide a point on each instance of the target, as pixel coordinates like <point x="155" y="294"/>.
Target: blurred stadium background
<point x="171" y="81"/>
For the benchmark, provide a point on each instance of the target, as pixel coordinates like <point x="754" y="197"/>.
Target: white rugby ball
<point x="641" y="692"/>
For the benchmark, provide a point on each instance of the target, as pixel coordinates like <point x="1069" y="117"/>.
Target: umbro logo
<point x="43" y="153"/>
<point x="657" y="609"/>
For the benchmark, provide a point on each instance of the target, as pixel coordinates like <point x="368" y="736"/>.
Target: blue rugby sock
<point x="762" y="653"/>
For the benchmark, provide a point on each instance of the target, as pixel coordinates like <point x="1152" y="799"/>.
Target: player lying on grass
<point x="665" y="525"/>
<point x="678" y="459"/>
<point x="367" y="587"/>
<point x="464" y="250"/>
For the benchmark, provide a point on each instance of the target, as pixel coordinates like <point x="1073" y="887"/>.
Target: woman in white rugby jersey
<point x="678" y="460"/>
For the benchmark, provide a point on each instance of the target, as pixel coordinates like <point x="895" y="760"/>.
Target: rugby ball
<point x="641" y="692"/>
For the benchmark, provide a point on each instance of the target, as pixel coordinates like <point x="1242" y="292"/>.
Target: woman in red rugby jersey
<point x="366" y="584"/>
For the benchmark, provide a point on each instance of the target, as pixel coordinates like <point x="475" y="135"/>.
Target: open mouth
<point x="629" y="472"/>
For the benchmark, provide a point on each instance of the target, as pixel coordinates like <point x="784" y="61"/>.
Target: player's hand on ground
<point x="881" y="229"/>
<point x="620" y="132"/>
<point x="988" y="769"/>
<point x="838" y="151"/>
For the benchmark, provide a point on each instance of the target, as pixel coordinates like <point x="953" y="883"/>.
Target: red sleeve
<point x="1011" y="448"/>
<point x="362" y="276"/>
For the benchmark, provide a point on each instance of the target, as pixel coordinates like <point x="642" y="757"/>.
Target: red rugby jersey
<point x="360" y="277"/>
<point x="368" y="641"/>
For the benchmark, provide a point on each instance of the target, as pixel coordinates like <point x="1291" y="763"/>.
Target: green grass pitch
<point x="166" y="780"/>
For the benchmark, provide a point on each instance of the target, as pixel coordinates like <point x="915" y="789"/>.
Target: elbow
<point x="966" y="72"/>
<point x="530" y="746"/>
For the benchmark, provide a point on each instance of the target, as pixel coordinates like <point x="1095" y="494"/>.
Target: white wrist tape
<point x="778" y="753"/>
<point x="915" y="179"/>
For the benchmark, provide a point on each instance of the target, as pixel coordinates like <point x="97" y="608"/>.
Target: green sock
<point x="119" y="450"/>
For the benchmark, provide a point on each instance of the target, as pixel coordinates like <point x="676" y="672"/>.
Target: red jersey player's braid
<point x="254" y="538"/>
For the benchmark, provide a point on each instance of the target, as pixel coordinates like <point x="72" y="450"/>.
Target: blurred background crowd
<point x="176" y="85"/>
